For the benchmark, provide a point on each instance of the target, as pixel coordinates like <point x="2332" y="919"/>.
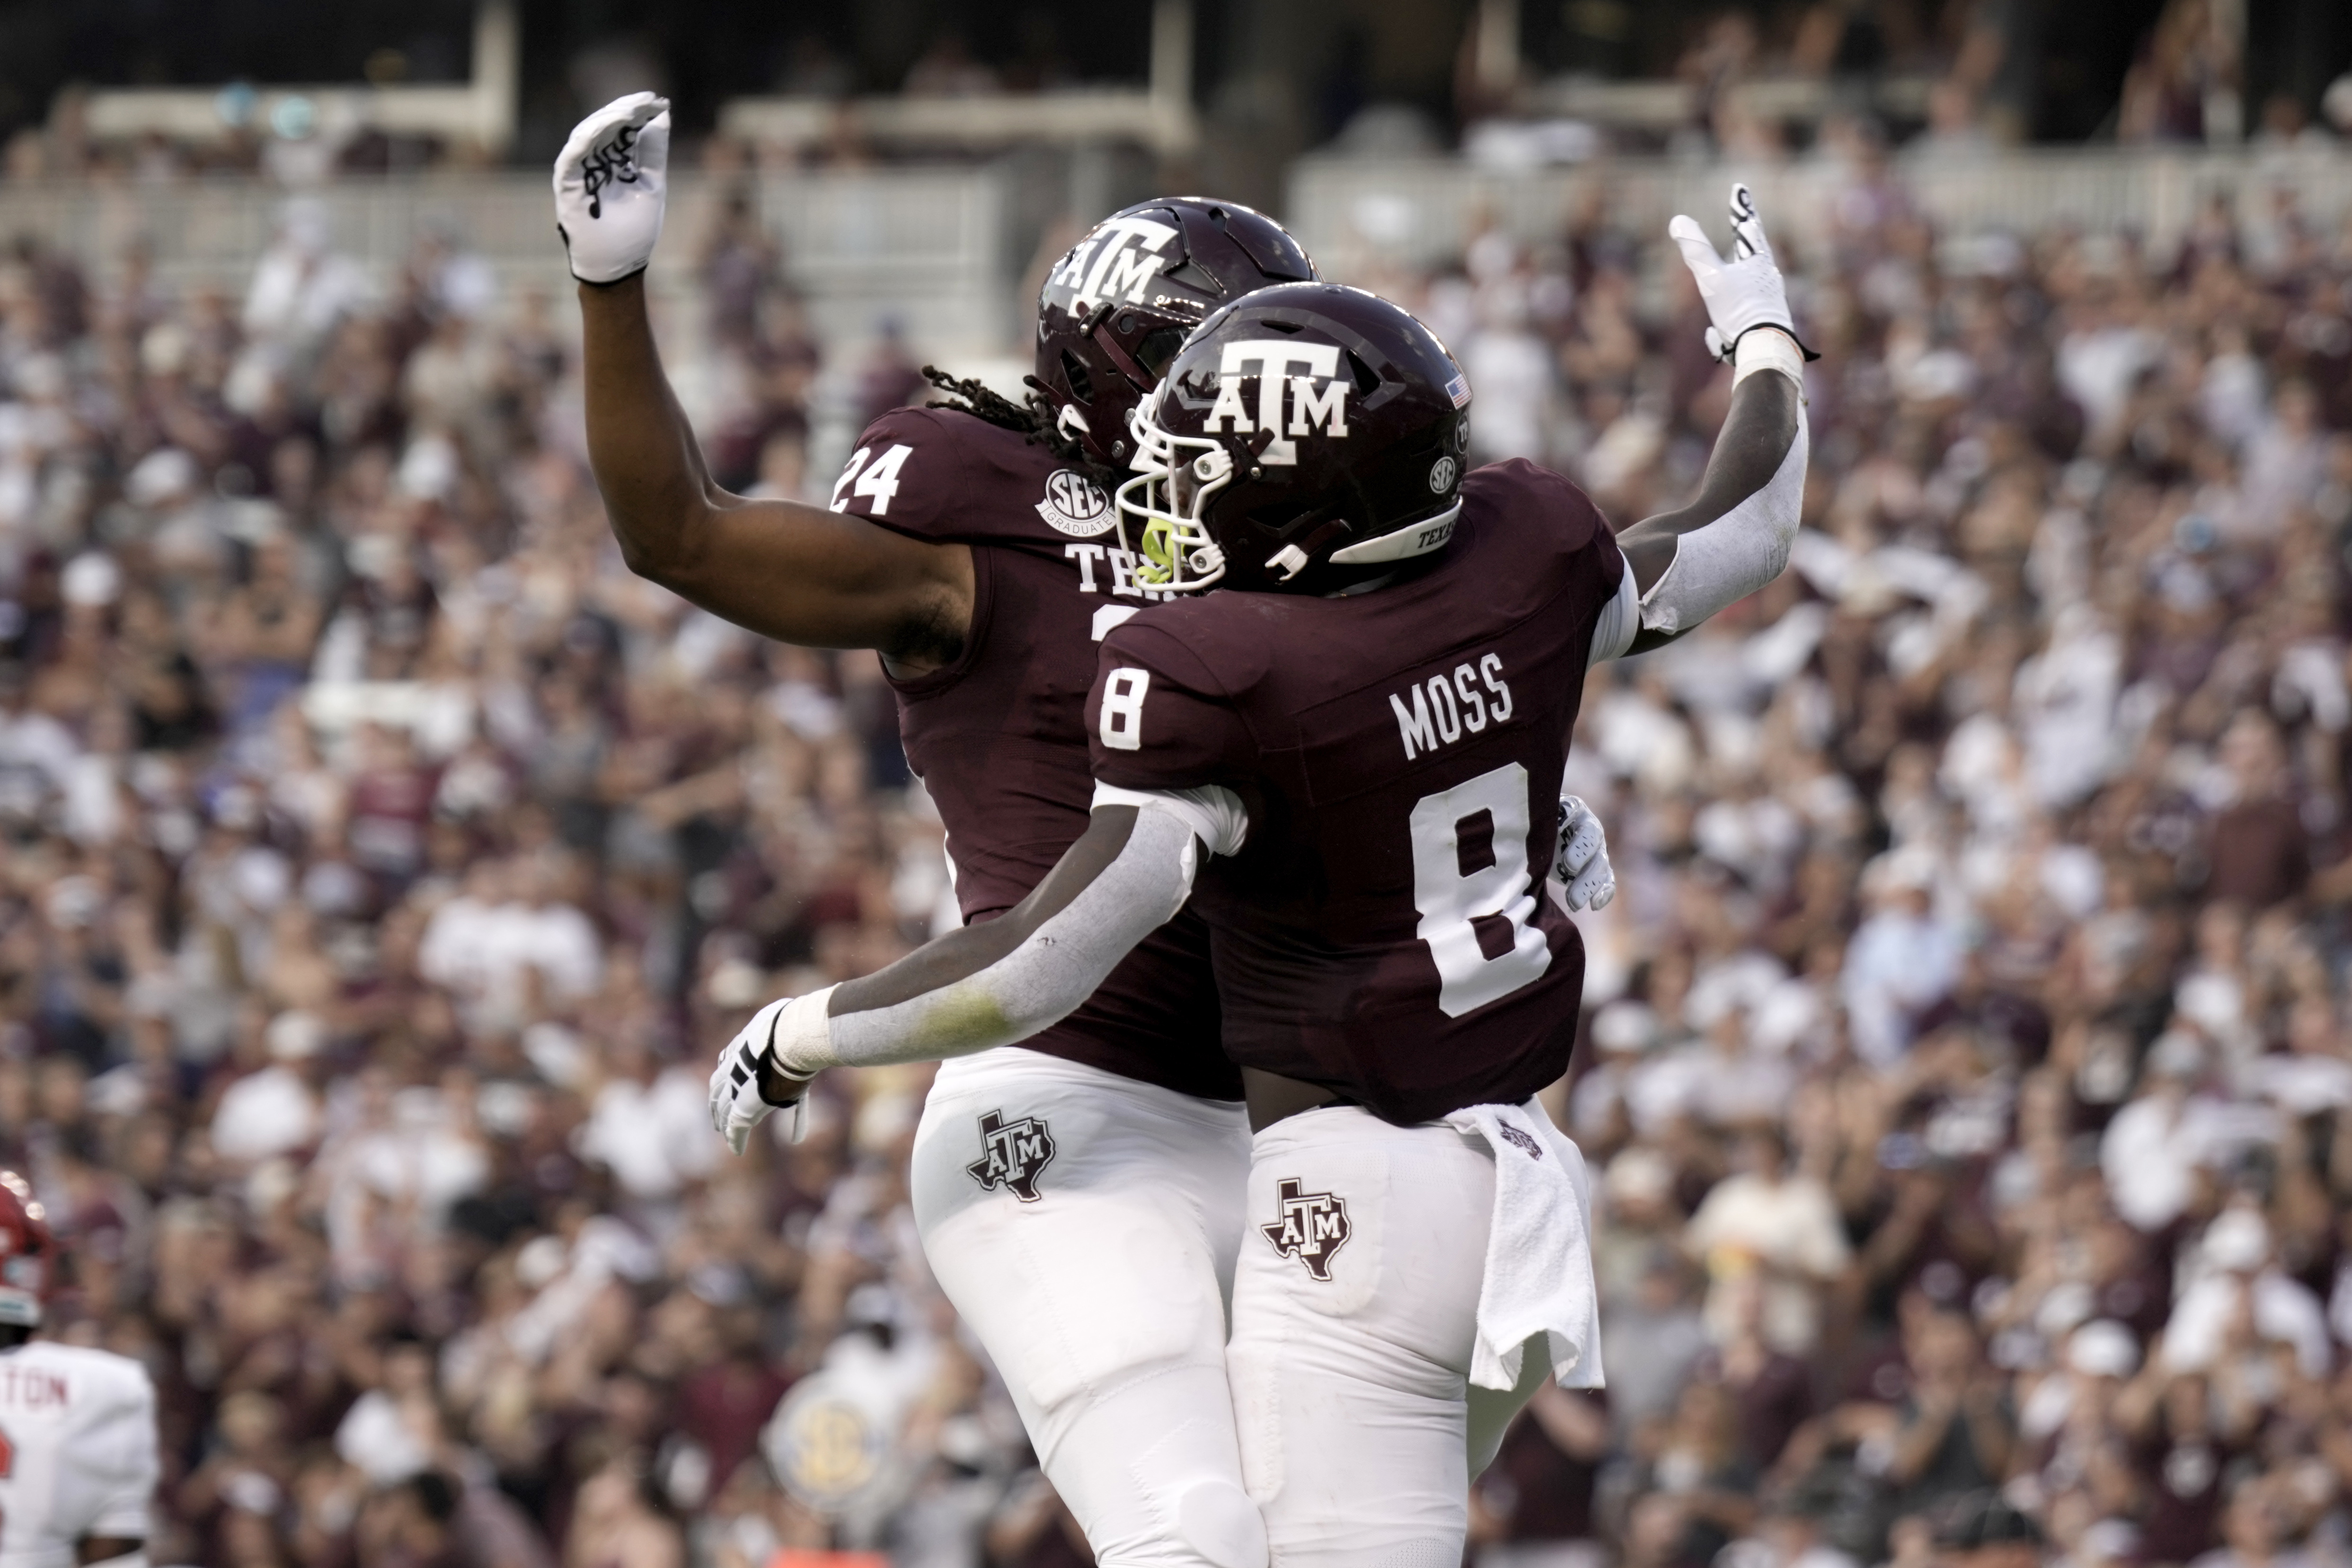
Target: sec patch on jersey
<point x="1075" y="504"/>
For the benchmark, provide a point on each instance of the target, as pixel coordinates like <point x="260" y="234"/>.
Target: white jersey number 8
<point x="1122" y="708"/>
<point x="1471" y="884"/>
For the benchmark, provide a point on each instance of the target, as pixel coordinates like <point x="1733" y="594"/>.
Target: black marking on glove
<point x="611" y="163"/>
<point x="1743" y="211"/>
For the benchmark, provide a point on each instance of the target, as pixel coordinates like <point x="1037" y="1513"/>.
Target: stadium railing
<point x="1419" y="212"/>
<point x="935" y="247"/>
<point x="927" y="245"/>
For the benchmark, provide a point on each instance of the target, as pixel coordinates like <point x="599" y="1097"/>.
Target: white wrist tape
<point x="1739" y="553"/>
<point x="802" y="1041"/>
<point x="1769" y="347"/>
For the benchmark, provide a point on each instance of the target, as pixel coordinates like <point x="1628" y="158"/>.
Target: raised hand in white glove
<point x="610" y="181"/>
<point x="1582" y="862"/>
<point x="1743" y="291"/>
<point x="737" y="1104"/>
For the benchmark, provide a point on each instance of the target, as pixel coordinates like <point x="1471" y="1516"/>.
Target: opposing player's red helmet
<point x="1308" y="437"/>
<point x="28" y="1254"/>
<point x="1114" y="312"/>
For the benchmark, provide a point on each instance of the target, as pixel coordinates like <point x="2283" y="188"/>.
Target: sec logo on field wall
<point x="1075" y="504"/>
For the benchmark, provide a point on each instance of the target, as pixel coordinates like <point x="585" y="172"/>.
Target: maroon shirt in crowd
<point x="2187" y="1480"/>
<point x="998" y="737"/>
<point x="1774" y="1397"/>
<point x="1536" y="1489"/>
<point x="2261" y="854"/>
<point x="723" y="1406"/>
<point x="1385" y="930"/>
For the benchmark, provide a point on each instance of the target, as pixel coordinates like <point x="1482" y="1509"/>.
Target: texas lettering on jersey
<point x="1075" y="505"/>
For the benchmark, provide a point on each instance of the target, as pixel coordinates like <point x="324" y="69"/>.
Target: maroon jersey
<point x="999" y="736"/>
<point x="1385" y="930"/>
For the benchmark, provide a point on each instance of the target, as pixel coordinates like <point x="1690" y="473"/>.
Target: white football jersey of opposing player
<point x="78" y="1451"/>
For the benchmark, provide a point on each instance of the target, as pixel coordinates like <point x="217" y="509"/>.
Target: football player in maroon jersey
<point x="1080" y="1200"/>
<point x="1340" y="764"/>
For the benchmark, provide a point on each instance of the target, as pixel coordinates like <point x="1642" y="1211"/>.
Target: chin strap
<point x="1414" y="538"/>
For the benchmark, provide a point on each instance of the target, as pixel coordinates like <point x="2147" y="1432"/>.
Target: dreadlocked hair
<point x="1032" y="416"/>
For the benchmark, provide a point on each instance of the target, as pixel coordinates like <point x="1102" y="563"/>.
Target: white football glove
<point x="736" y="1104"/>
<point x="1583" y="859"/>
<point x="610" y="181"/>
<point x="1744" y="292"/>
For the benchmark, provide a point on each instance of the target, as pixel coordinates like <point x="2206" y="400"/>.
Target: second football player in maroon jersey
<point x="1347" y="760"/>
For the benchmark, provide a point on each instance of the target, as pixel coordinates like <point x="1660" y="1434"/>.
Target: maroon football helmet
<point x="1114" y="312"/>
<point x="1308" y="437"/>
<point x="29" y="1255"/>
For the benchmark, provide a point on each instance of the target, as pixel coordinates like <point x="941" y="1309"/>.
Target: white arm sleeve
<point x="1215" y="812"/>
<point x="1620" y="624"/>
<point x="1035" y="986"/>
<point x="1726" y="560"/>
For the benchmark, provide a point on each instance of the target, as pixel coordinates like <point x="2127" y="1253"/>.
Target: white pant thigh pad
<point x="1085" y="1226"/>
<point x="1355" y="1312"/>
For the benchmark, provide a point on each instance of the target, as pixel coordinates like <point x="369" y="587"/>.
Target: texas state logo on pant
<point x="1312" y="1227"/>
<point x="1012" y="1154"/>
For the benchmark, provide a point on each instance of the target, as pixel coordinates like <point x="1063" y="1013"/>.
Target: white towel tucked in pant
<point x="1539" y="1278"/>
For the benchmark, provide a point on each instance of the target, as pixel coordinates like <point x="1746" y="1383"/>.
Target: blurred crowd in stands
<point x="1963" y="1059"/>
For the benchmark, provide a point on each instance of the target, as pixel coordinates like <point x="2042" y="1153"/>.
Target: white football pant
<point x="1355" y="1313"/>
<point x="1085" y="1226"/>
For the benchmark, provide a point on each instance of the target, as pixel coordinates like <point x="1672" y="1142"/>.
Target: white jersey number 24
<point x="877" y="483"/>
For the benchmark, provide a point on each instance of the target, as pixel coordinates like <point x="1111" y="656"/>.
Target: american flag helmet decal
<point x="1458" y="389"/>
